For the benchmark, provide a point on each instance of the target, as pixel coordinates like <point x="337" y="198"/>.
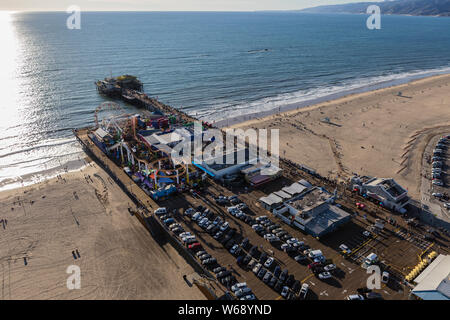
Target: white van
<point x="315" y="254"/>
<point x="160" y="211"/>
<point x="370" y="260"/>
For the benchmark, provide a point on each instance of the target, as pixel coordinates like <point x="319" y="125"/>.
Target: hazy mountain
<point x="405" y="7"/>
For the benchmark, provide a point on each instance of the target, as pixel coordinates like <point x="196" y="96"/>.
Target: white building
<point x="388" y="192"/>
<point x="434" y="282"/>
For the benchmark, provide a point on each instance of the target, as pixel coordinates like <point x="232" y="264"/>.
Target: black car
<point x="219" y="269"/>
<point x="225" y="239"/>
<point x="245" y="243"/>
<point x="291" y="296"/>
<point x="261" y="232"/>
<point x="263" y="258"/>
<point x="246" y="259"/>
<point x="229" y="244"/>
<point x="273" y="282"/>
<point x="223" y="274"/>
<point x="261" y="273"/>
<point x="277" y="271"/>
<point x="231" y="232"/>
<point x="214" y="230"/>
<point x="374" y="296"/>
<point x="290" y="280"/>
<point x="296" y="286"/>
<point x="278" y="286"/>
<point x="254" y="251"/>
<point x="283" y="275"/>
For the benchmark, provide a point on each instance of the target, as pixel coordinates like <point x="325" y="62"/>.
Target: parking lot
<point x="398" y="252"/>
<point x="437" y="164"/>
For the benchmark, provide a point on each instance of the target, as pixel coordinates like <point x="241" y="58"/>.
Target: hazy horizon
<point x="168" y="5"/>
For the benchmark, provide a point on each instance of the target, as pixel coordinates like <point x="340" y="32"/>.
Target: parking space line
<point x="364" y="244"/>
<point x="312" y="274"/>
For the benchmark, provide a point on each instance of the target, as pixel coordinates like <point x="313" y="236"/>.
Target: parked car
<point x="263" y="258"/>
<point x="248" y="297"/>
<point x="324" y="275"/>
<point x="261" y="273"/>
<point x="256" y="268"/>
<point x="278" y="286"/>
<point x="296" y="286"/>
<point x="233" y="249"/>
<point x="209" y="261"/>
<point x="246" y="259"/>
<point x="160" y="211"/>
<point x="330" y="267"/>
<point x="304" y="291"/>
<point x="194" y="246"/>
<point x="243" y="292"/>
<point x="224" y="226"/>
<point x="300" y="258"/>
<point x="267" y="277"/>
<point x="269" y="262"/>
<point x="189" y="212"/>
<point x="374" y="296"/>
<point x="252" y="263"/>
<point x="283" y="275"/>
<point x="204" y="256"/>
<point x="437" y="183"/>
<point x="355" y="297"/>
<point x="169" y="221"/>
<point x="223" y="274"/>
<point x="285" y="291"/>
<point x="254" y="251"/>
<point x="385" y="277"/>
<point x="273" y="281"/>
<point x="238" y="286"/>
<point x="245" y="243"/>
<point x="290" y="280"/>
<point x="219" y="269"/>
<point x="277" y="271"/>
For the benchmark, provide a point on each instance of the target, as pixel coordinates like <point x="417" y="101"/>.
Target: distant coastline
<point x="437" y="8"/>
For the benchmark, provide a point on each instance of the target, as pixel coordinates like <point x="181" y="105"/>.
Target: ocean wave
<point x="50" y="143"/>
<point x="291" y="100"/>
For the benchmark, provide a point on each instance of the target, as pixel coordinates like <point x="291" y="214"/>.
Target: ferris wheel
<point x="114" y="114"/>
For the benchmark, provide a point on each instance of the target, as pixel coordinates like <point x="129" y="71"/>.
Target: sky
<point x="165" y="5"/>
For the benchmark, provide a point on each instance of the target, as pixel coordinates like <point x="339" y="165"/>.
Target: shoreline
<point x="288" y="107"/>
<point x="342" y="98"/>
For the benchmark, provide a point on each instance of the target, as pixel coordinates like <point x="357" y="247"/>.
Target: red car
<point x="314" y="265"/>
<point x="194" y="246"/>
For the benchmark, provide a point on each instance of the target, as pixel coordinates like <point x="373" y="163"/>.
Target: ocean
<point x="213" y="65"/>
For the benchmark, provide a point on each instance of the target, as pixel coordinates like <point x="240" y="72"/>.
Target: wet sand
<point x="379" y="133"/>
<point x="45" y="226"/>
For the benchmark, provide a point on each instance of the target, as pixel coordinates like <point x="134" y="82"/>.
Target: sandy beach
<point x="379" y="133"/>
<point x="83" y="215"/>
